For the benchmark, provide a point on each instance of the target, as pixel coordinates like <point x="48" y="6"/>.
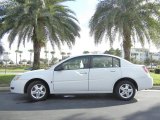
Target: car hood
<point x="31" y="72"/>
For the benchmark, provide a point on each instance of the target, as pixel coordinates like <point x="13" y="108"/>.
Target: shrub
<point x="151" y="70"/>
<point x="157" y="71"/>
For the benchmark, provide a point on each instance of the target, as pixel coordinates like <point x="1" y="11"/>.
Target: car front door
<point x="105" y="70"/>
<point x="72" y="75"/>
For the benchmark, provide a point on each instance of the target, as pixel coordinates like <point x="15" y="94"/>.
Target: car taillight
<point x="145" y="69"/>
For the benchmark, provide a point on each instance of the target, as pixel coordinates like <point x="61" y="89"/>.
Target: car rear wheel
<point x="125" y="90"/>
<point x="37" y="91"/>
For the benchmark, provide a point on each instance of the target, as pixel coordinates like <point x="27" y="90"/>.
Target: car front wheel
<point x="125" y="90"/>
<point x="37" y="91"/>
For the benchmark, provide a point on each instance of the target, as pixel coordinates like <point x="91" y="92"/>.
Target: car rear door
<point x="105" y="70"/>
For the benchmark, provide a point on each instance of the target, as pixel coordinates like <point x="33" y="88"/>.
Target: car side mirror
<point x="59" y="68"/>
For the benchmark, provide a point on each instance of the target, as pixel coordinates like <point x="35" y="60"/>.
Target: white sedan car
<point x="85" y="74"/>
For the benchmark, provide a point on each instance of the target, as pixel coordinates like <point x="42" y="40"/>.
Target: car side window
<point x="101" y="62"/>
<point x="116" y="62"/>
<point x="76" y="63"/>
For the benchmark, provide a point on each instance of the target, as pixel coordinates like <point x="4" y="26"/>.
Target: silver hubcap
<point x="38" y="91"/>
<point x="126" y="91"/>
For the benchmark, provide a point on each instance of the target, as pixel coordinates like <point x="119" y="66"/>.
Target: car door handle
<point x="113" y="71"/>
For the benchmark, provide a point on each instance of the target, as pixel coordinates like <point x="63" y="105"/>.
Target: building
<point x="154" y="56"/>
<point x="139" y="54"/>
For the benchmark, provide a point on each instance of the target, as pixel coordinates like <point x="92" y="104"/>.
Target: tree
<point x="54" y="60"/>
<point x="40" y="21"/>
<point x="17" y="51"/>
<point x="46" y="54"/>
<point x="63" y="55"/>
<point x="52" y="53"/>
<point x="132" y="20"/>
<point x="118" y="52"/>
<point x="112" y="51"/>
<point x="147" y="61"/>
<point x="1" y="49"/>
<point x="106" y="52"/>
<point x="68" y="54"/>
<point x="85" y="52"/>
<point x="46" y="57"/>
<point x="1" y="20"/>
<point x="20" y="55"/>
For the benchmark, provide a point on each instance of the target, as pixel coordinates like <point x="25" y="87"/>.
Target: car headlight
<point x="17" y="77"/>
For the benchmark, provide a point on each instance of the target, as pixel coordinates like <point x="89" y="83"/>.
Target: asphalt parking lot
<point x="145" y="106"/>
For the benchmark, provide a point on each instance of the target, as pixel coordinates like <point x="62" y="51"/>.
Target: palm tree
<point x="30" y="51"/>
<point x="46" y="54"/>
<point x="63" y="55"/>
<point x="132" y="20"/>
<point x="68" y="54"/>
<point x="20" y="56"/>
<point x="46" y="57"/>
<point x="1" y="49"/>
<point x="1" y="16"/>
<point x="52" y="53"/>
<point x="40" y="21"/>
<point x="17" y="51"/>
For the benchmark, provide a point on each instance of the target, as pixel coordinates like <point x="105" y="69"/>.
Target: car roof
<point x="94" y="55"/>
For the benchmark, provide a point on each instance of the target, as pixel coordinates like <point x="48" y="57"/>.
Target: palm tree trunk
<point x="36" y="61"/>
<point x="127" y="44"/>
<point x="16" y="58"/>
<point x="20" y="57"/>
<point x="37" y="50"/>
<point x="31" y="58"/>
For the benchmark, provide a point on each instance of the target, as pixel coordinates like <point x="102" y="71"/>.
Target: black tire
<point x="37" y="91"/>
<point x="125" y="90"/>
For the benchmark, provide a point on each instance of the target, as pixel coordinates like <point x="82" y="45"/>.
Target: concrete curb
<point x="155" y="88"/>
<point x="8" y="88"/>
<point x="4" y="88"/>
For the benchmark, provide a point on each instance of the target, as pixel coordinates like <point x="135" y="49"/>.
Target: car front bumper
<point x="17" y="86"/>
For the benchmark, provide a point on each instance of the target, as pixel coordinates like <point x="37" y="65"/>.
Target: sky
<point x="84" y="10"/>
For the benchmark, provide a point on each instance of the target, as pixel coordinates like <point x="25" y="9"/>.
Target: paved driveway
<point x="145" y="106"/>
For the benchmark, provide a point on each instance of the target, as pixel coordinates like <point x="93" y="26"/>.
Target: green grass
<point x="156" y="78"/>
<point x="12" y="70"/>
<point x="5" y="79"/>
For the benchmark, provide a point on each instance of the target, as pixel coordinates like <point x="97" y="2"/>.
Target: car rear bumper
<point x="145" y="83"/>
